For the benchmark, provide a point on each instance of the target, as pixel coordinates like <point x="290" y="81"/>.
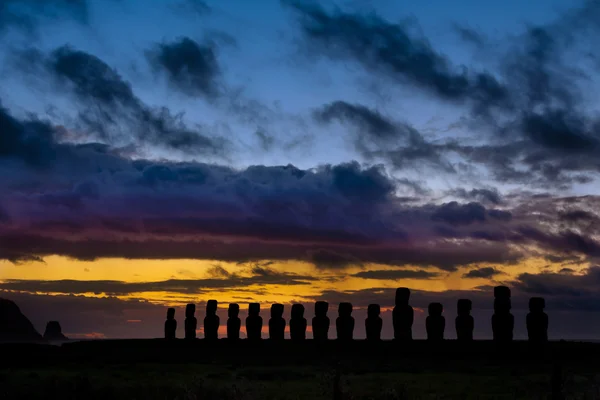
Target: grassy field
<point x="360" y="375"/>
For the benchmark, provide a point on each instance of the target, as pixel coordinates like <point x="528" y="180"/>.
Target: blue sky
<point x="430" y="139"/>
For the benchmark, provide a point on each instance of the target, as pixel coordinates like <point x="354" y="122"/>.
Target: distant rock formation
<point x="14" y="326"/>
<point x="54" y="331"/>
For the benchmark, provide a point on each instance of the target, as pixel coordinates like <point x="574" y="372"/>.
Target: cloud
<point x="259" y="276"/>
<point x="454" y="213"/>
<point x="485" y="272"/>
<point x="531" y="110"/>
<point x="111" y="112"/>
<point x="396" y="274"/>
<point x="192" y="68"/>
<point x="484" y="195"/>
<point x="327" y="259"/>
<point x="377" y="136"/>
<point x="391" y="49"/>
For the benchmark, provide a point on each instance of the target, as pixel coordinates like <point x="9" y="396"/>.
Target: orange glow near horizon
<point x="56" y="268"/>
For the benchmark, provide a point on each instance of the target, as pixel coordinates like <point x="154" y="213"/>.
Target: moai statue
<point x="254" y="322"/>
<point x="298" y="323"/>
<point x="403" y="315"/>
<point x="190" y="321"/>
<point x="233" y="322"/>
<point x="503" y="321"/>
<point x="537" y="321"/>
<point x="320" y="322"/>
<point x="345" y="322"/>
<point x="211" y="321"/>
<point x="464" y="322"/>
<point x="373" y="323"/>
<point x="435" y="322"/>
<point x="276" y="323"/>
<point x="170" y="324"/>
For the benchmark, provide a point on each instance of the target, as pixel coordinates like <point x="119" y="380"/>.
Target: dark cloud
<point x="532" y="110"/>
<point x="391" y="49"/>
<point x="485" y="272"/>
<point x="192" y="68"/>
<point x="500" y="215"/>
<point x="397" y="274"/>
<point x="327" y="259"/>
<point x="112" y="113"/>
<point x="454" y="213"/>
<point x="30" y="141"/>
<point x="377" y="136"/>
<point x="483" y="195"/>
<point x="575" y="287"/>
<point x="260" y="276"/>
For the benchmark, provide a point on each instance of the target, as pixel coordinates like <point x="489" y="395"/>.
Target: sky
<point x="159" y="153"/>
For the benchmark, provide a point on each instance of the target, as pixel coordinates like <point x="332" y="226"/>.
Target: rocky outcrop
<point x="54" y="331"/>
<point x="14" y="326"/>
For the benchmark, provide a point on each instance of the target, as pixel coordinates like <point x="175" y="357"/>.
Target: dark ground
<point x="156" y="369"/>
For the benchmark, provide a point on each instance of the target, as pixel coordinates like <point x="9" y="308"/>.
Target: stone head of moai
<point x="190" y="310"/>
<point x="537" y="304"/>
<point x="373" y="310"/>
<point x="435" y="309"/>
<point x="276" y="310"/>
<point x="402" y="296"/>
<point x="464" y="306"/>
<point x="502" y="303"/>
<point x="211" y="307"/>
<point x="321" y="308"/>
<point x="297" y="311"/>
<point x="253" y="309"/>
<point x="171" y="313"/>
<point x="345" y="309"/>
<point x="502" y="292"/>
<point x="234" y="310"/>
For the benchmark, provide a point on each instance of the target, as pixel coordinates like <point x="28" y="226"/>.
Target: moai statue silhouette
<point x="170" y="324"/>
<point x="276" y="323"/>
<point x="190" y="321"/>
<point x="320" y="322"/>
<point x="537" y="321"/>
<point x="464" y="322"/>
<point x="345" y="322"/>
<point x="211" y="321"/>
<point x="435" y="322"/>
<point x="254" y="322"/>
<point x="503" y="321"/>
<point x="298" y="323"/>
<point x="373" y="323"/>
<point x="403" y="315"/>
<point x="233" y="322"/>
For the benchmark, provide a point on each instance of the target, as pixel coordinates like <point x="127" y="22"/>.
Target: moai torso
<point x="233" y="322"/>
<point x="464" y="322"/>
<point x="403" y="315"/>
<point x="254" y="322"/>
<point x="345" y="322"/>
<point x="170" y="324"/>
<point x="373" y="323"/>
<point x="320" y="323"/>
<point x="435" y="322"/>
<point x="298" y="323"/>
<point x="190" y="322"/>
<point x="537" y="321"/>
<point x="276" y="323"/>
<point x="211" y="321"/>
<point x="503" y="321"/>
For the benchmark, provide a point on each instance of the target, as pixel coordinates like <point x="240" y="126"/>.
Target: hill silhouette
<point x="14" y="326"/>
